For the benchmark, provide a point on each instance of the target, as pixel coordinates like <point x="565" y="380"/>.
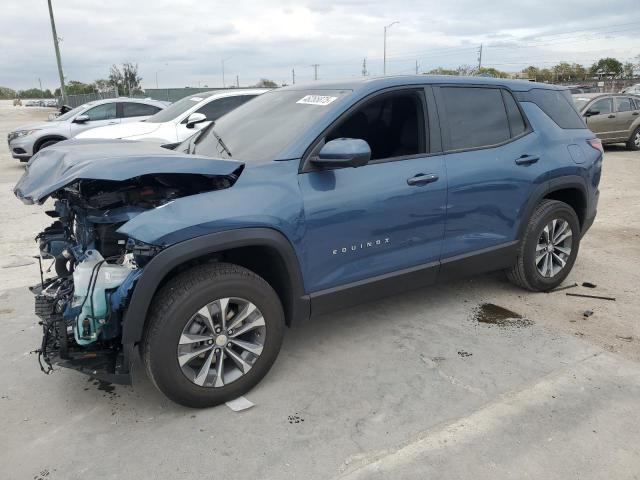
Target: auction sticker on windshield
<point x="317" y="100"/>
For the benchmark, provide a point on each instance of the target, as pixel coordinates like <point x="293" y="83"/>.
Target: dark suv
<point x="302" y="201"/>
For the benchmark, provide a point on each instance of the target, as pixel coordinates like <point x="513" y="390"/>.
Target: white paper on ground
<point x="239" y="404"/>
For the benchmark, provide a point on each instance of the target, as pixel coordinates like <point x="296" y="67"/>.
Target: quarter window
<point x="602" y="106"/>
<point x="476" y="117"/>
<point x="131" y="109"/>
<point x="623" y="104"/>
<point x="106" y="111"/>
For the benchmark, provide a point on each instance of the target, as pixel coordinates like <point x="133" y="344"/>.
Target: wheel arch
<point x="46" y="138"/>
<point x="570" y="189"/>
<point x="265" y="251"/>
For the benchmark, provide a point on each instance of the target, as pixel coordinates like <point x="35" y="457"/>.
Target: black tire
<point x="46" y="144"/>
<point x="174" y="305"/>
<point x="634" y="142"/>
<point x="524" y="272"/>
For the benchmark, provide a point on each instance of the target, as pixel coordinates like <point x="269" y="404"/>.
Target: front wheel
<point x="213" y="333"/>
<point x="548" y="249"/>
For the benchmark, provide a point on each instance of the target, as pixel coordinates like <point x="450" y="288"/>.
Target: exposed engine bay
<point x="88" y="269"/>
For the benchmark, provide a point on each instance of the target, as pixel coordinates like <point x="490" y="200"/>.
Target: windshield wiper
<point x="197" y="138"/>
<point x="219" y="139"/>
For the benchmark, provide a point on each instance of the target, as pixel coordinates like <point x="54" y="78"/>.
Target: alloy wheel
<point x="221" y="342"/>
<point x="636" y="139"/>
<point x="553" y="248"/>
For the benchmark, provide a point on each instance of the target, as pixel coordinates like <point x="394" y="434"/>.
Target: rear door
<point x="626" y="114"/>
<point x="494" y="163"/>
<point x="135" y="111"/>
<point x="603" y="124"/>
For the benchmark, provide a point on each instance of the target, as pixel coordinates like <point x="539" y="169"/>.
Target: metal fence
<point x="174" y="94"/>
<point x="76" y="100"/>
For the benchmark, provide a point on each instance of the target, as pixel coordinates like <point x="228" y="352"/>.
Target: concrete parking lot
<point x="428" y="384"/>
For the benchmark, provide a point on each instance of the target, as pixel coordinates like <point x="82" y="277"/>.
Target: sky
<point x="184" y="43"/>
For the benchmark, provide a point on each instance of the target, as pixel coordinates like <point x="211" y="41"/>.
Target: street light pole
<point x="384" y="56"/>
<point x="57" y="48"/>
<point x="224" y="60"/>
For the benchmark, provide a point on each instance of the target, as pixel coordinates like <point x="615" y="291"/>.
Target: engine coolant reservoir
<point x="94" y="274"/>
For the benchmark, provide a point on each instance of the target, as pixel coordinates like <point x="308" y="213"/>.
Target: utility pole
<point x="57" y="48"/>
<point x="41" y="92"/>
<point x="364" y="67"/>
<point x="480" y="58"/>
<point x="238" y="81"/>
<point x="315" y="70"/>
<point x="384" y="55"/>
<point x="416" y="67"/>
<point x="293" y="76"/>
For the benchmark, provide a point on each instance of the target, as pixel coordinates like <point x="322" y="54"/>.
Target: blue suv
<point x="303" y="201"/>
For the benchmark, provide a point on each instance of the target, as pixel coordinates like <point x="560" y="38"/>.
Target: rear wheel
<point x="634" y="141"/>
<point x="213" y="333"/>
<point x="549" y="247"/>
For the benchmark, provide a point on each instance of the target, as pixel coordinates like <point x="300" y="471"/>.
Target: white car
<point x="181" y="119"/>
<point x="27" y="140"/>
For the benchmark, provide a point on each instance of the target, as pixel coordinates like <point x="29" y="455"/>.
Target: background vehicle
<point x="29" y="139"/>
<point x="633" y="89"/>
<point x="614" y="118"/>
<point x="301" y="202"/>
<point x="172" y="124"/>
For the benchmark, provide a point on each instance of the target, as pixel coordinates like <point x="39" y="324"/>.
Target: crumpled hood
<point x="65" y="162"/>
<point x="123" y="130"/>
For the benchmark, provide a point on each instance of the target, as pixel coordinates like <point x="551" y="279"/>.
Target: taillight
<point x="596" y="143"/>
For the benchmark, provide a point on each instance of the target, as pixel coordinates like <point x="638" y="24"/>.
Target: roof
<point x="376" y="83"/>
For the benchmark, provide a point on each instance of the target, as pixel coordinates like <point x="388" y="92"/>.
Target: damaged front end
<point x="88" y="268"/>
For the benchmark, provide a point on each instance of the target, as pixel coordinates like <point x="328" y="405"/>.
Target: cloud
<point x="185" y="42"/>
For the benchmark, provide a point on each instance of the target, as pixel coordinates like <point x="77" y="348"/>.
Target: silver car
<point x="28" y="139"/>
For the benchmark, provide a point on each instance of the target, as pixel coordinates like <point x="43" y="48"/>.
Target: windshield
<point x="70" y="113"/>
<point x="580" y="102"/>
<point x="265" y="126"/>
<point x="176" y="109"/>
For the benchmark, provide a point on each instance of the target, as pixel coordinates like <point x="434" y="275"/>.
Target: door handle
<point x="112" y="123"/>
<point x="611" y="116"/>
<point x="635" y="113"/>
<point x="527" y="160"/>
<point x="422" y="179"/>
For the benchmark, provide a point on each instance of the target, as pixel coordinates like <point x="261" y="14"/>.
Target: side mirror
<point x="81" y="119"/>
<point x="344" y="152"/>
<point x="196" y="118"/>
<point x="590" y="113"/>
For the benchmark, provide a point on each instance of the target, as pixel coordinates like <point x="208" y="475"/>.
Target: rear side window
<point x="131" y="109"/>
<point x="476" y="117"/>
<point x="623" y="104"/>
<point x="217" y="108"/>
<point x="516" y="122"/>
<point x="557" y="104"/>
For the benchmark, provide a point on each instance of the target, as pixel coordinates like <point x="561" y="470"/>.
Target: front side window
<point x="106" y="111"/>
<point x="622" y="104"/>
<point x="476" y="117"/>
<point x="217" y="108"/>
<point x="392" y="125"/>
<point x="602" y="106"/>
<point x="134" y="109"/>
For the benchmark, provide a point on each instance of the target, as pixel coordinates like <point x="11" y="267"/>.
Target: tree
<point x="7" y="93"/>
<point x="610" y="67"/>
<point x="442" y="71"/>
<point x="628" y="69"/>
<point x="103" y="85"/>
<point x="126" y="79"/>
<point x="532" y="73"/>
<point x="263" y="82"/>
<point x="35" y="93"/>
<point x="492" y="72"/>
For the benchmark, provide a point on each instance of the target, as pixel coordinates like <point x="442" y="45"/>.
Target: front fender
<point x="168" y="259"/>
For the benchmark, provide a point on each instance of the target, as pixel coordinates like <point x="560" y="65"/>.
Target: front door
<point x="369" y="221"/>
<point x="99" y="116"/>
<point x="626" y="113"/>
